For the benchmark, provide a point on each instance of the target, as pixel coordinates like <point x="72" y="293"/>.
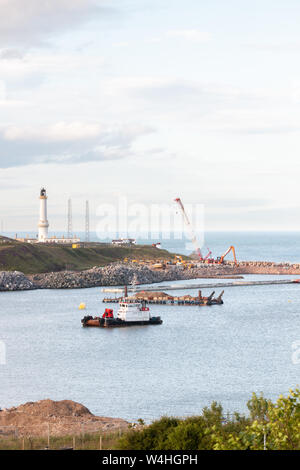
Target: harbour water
<point x="198" y="355"/>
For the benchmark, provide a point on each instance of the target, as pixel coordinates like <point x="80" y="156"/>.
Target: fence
<point x="17" y="438"/>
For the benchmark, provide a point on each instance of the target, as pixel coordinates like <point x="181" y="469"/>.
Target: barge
<point x="161" y="298"/>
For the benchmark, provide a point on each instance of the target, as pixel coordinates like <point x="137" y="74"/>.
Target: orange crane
<point x="188" y="223"/>
<point x="221" y="259"/>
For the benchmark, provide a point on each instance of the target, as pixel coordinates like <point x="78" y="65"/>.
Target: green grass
<point x="82" y="442"/>
<point x="33" y="259"/>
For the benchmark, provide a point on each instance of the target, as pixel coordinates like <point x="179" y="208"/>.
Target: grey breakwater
<point x="118" y="274"/>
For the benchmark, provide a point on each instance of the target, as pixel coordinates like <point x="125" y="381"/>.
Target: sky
<point x="150" y="100"/>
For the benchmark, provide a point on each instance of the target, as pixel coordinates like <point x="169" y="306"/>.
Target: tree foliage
<point x="270" y="426"/>
<point x="274" y="426"/>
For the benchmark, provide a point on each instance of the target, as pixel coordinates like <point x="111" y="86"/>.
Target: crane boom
<point x="231" y="248"/>
<point x="189" y="225"/>
<point x="208" y="255"/>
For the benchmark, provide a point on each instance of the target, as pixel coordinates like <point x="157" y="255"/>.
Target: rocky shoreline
<point x="15" y="280"/>
<point x="121" y="274"/>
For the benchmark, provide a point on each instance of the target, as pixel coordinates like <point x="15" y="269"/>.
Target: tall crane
<point x="189" y="225"/>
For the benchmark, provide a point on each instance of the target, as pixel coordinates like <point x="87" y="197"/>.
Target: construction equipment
<point x="156" y="245"/>
<point x="158" y="266"/>
<point x="208" y="259"/>
<point x="189" y="225"/>
<point x="208" y="255"/>
<point x="221" y="259"/>
<point x="179" y="261"/>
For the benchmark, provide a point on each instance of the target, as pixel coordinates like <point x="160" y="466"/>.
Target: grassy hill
<point x="39" y="258"/>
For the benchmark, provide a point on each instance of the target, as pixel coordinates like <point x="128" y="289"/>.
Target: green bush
<point x="274" y="426"/>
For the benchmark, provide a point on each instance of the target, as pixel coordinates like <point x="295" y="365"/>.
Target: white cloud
<point x="209" y="107"/>
<point x="2" y="90"/>
<point x="36" y="66"/>
<point x="28" y="22"/>
<point x="59" y="132"/>
<point x="193" y="35"/>
<point x="121" y="44"/>
<point x="62" y="142"/>
<point x="11" y="54"/>
<point x="275" y="47"/>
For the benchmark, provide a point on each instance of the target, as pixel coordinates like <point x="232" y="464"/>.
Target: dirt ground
<point x="58" y="418"/>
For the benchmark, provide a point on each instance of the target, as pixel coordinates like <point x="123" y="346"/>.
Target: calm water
<point x="198" y="355"/>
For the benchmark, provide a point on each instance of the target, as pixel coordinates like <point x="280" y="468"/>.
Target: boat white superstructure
<point x="133" y="312"/>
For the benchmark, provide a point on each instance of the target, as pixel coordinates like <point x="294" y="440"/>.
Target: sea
<point x="198" y="355"/>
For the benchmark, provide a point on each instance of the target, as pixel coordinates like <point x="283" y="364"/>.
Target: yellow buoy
<point x="82" y="306"/>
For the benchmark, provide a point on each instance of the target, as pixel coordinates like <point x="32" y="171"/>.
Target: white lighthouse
<point x="43" y="222"/>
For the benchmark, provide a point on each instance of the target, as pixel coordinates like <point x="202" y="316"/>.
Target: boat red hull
<point x="117" y="323"/>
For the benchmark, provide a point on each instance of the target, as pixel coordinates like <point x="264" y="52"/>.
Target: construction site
<point x="60" y="263"/>
<point x="186" y="262"/>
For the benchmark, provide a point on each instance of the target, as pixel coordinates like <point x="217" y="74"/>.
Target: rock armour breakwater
<point x="266" y="267"/>
<point x="112" y="275"/>
<point x="14" y="280"/>
<point x="119" y="274"/>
